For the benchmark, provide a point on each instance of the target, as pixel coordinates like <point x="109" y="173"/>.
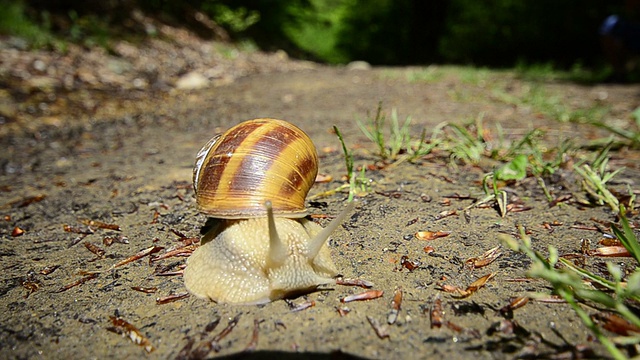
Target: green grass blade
<point x="348" y="159"/>
<point x="626" y="236"/>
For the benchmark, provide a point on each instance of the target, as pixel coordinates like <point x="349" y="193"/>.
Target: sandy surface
<point x="133" y="169"/>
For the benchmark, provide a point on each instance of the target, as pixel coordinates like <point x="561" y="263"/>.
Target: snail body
<point x="254" y="178"/>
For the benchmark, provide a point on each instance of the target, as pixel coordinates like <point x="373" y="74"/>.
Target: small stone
<point x="39" y="65"/>
<point x="42" y="83"/>
<point x="358" y="65"/>
<point x="192" y="80"/>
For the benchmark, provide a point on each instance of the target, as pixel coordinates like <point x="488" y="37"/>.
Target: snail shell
<point x="246" y="177"/>
<point x="253" y="162"/>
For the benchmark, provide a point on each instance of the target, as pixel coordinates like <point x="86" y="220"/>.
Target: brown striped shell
<point x="253" y="162"/>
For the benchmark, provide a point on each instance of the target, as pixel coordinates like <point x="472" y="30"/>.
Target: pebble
<point x="358" y="65"/>
<point x="192" y="80"/>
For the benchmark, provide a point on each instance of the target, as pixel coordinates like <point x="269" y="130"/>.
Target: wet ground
<point x="129" y="171"/>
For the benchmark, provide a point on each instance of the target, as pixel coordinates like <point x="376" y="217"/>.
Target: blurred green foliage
<point x="487" y="32"/>
<point x="317" y="29"/>
<point x="13" y="20"/>
<point x="502" y="32"/>
<point x="393" y="31"/>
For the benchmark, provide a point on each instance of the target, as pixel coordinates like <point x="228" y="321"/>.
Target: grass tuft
<point x="399" y="145"/>
<point x="357" y="182"/>
<point x="577" y="286"/>
<point x="595" y="178"/>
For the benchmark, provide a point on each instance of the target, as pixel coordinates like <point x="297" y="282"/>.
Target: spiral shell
<point x="253" y="162"/>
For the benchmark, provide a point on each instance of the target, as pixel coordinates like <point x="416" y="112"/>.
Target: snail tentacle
<point x="277" y="250"/>
<point x="316" y="243"/>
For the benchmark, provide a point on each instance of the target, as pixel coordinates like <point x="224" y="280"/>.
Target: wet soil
<point x="132" y="167"/>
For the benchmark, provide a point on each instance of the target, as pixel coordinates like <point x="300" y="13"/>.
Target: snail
<point x="254" y="179"/>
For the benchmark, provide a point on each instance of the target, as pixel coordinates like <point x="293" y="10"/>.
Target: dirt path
<point x="133" y="169"/>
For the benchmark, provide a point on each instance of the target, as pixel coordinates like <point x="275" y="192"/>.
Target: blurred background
<point x="496" y="33"/>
